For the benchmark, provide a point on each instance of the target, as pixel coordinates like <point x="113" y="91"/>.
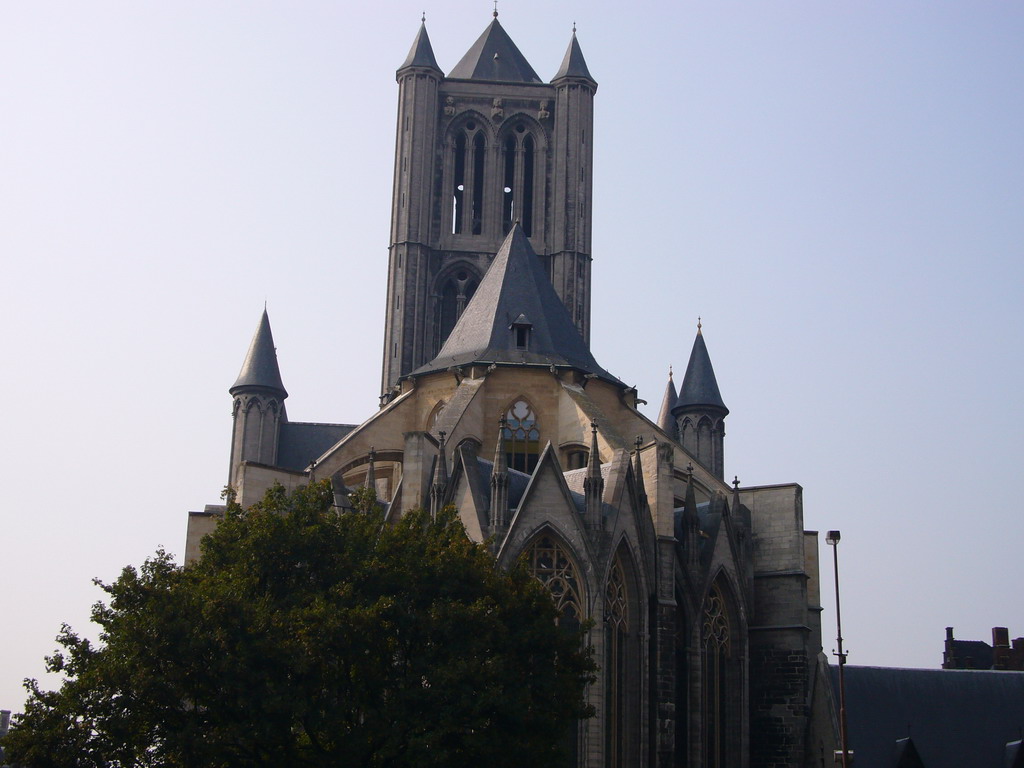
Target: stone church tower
<point x="489" y="145"/>
<point x="700" y="600"/>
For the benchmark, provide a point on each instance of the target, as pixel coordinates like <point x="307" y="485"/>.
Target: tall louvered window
<point x="519" y="157"/>
<point x="469" y="150"/>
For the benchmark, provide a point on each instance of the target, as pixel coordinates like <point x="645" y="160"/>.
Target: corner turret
<point x="421" y="55"/>
<point x="666" y="420"/>
<point x="258" y="409"/>
<point x="699" y="410"/>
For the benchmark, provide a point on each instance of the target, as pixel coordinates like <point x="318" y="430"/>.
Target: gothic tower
<point x="258" y="408"/>
<point x="699" y="410"/>
<point x="476" y="151"/>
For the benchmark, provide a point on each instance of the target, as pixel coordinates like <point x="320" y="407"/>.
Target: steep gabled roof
<point x="574" y="65"/>
<point x="515" y="285"/>
<point x="260" y="368"/>
<point x="421" y="54"/>
<point x="494" y="57"/>
<point x="699" y="388"/>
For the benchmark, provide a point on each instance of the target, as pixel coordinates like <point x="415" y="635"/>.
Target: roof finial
<point x="574" y="26"/>
<point x="698" y="325"/>
<point x="423" y="18"/>
<point x="495" y="8"/>
<point x="736" y="482"/>
<point x="670" y="372"/>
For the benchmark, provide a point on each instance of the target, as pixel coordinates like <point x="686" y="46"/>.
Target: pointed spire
<point x="593" y="483"/>
<point x="638" y="471"/>
<point x="260" y="369"/>
<point x="496" y="58"/>
<point x="691" y="522"/>
<point x="421" y="54"/>
<point x="440" y="483"/>
<point x="574" y="65"/>
<point x="666" y="420"/>
<point x="700" y="387"/>
<point x="499" y="482"/>
<point x="515" y="286"/>
<point x="371" y="474"/>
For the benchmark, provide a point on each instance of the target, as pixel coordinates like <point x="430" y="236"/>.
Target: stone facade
<point x="703" y="596"/>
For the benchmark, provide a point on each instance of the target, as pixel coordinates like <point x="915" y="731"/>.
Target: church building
<point x="703" y="594"/>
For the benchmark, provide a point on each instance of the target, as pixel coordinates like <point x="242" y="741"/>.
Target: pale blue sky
<point x="836" y="188"/>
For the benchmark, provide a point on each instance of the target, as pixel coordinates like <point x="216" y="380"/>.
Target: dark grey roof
<point x="260" y="367"/>
<point x="517" y="483"/>
<point x="665" y="419"/>
<point x="574" y="65"/>
<point x="515" y="284"/>
<point x="699" y="388"/>
<point x="494" y="57"/>
<point x="956" y="717"/>
<point x="421" y="54"/>
<point x="300" y="443"/>
<point x="973" y="654"/>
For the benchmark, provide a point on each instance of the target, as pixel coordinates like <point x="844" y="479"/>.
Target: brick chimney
<point x="1000" y="648"/>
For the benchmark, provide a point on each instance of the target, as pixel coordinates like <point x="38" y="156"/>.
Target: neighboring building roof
<point x="700" y="387"/>
<point x="973" y="654"/>
<point x="574" y="65"/>
<point x="421" y="54"/>
<point x="665" y="419"/>
<point x="956" y="718"/>
<point x="514" y="286"/>
<point x="260" y="367"/>
<point x="494" y="57"/>
<point x="300" y="443"/>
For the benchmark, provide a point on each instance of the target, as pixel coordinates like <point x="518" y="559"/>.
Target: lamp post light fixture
<point x="832" y="539"/>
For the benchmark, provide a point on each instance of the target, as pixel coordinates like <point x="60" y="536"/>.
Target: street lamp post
<point x="832" y="539"/>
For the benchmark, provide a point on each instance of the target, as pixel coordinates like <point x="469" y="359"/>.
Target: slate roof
<point x="699" y="387"/>
<point x="300" y="442"/>
<point x="665" y="419"/>
<point x="517" y="483"/>
<point x="260" y="368"/>
<point x="956" y="718"/>
<point x="515" y="284"/>
<point x="496" y="58"/>
<point x="574" y="65"/>
<point x="421" y="54"/>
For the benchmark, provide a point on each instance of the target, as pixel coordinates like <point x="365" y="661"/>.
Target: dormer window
<point x="522" y="328"/>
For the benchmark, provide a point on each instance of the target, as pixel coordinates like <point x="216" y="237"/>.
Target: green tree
<point x="304" y="637"/>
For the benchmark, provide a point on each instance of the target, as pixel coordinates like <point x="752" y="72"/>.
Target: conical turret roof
<point x="421" y="54"/>
<point x="699" y="388"/>
<point x="496" y="58"/>
<point x="260" y="369"/>
<point x="515" y="317"/>
<point x="668" y="402"/>
<point x="574" y="65"/>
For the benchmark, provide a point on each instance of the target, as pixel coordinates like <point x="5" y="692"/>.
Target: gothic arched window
<point x="519" y="157"/>
<point x="552" y="565"/>
<point x="522" y="437"/>
<point x="469" y="153"/>
<point x="715" y="653"/>
<point x="453" y="297"/>
<point x="616" y="665"/>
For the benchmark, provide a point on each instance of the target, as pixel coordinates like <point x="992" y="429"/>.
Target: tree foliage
<point x="304" y="637"/>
